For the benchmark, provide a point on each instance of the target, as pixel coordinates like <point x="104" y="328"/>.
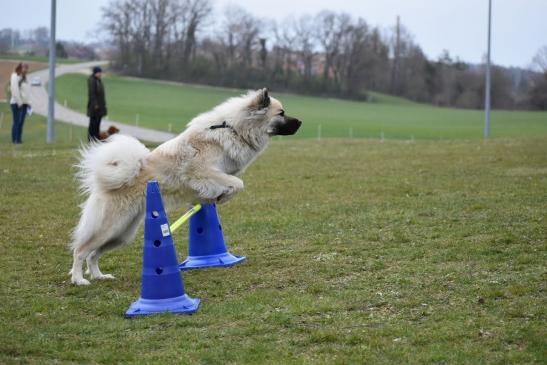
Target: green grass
<point x="38" y="58"/>
<point x="159" y="104"/>
<point x="358" y="252"/>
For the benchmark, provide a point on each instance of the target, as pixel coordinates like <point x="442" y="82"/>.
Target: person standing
<point x="96" y="104"/>
<point x="19" y="101"/>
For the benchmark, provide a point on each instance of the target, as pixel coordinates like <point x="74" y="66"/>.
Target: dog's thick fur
<point x="199" y="165"/>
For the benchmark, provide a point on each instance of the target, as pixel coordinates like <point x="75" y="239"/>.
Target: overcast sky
<point x="519" y="26"/>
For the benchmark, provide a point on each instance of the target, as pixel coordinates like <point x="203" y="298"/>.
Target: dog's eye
<point x="282" y="113"/>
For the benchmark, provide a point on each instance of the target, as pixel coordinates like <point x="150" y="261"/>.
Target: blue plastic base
<point x="178" y="305"/>
<point x="201" y="262"/>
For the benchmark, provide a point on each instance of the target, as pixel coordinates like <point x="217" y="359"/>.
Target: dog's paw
<point x="104" y="277"/>
<point x="222" y="199"/>
<point x="80" y="282"/>
<point x="236" y="184"/>
<point x="226" y="195"/>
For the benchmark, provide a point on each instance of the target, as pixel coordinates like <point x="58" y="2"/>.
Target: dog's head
<point x="274" y="120"/>
<point x="255" y="117"/>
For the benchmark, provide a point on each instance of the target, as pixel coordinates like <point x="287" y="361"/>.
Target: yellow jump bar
<point x="185" y="217"/>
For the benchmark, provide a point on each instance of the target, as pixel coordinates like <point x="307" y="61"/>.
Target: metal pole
<point x="51" y="82"/>
<point x="488" y="81"/>
<point x="319" y="132"/>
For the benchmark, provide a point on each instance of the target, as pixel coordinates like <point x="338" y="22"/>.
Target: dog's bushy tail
<point x="109" y="165"/>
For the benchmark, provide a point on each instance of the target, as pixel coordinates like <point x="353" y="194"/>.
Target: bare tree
<point x="354" y="58"/>
<point x="141" y="34"/>
<point x="155" y="38"/>
<point x="304" y="30"/>
<point x="161" y="18"/>
<point x="539" y="62"/>
<point x="239" y="34"/>
<point x="330" y="30"/>
<point x="538" y="92"/>
<point x="285" y="38"/>
<point x="40" y="35"/>
<point x="117" y="21"/>
<point x="194" y="12"/>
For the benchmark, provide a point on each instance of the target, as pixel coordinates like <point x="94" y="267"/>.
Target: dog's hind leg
<point x="87" y="237"/>
<point x="83" y="250"/>
<point x="93" y="260"/>
<point x="80" y="254"/>
<point x="125" y="237"/>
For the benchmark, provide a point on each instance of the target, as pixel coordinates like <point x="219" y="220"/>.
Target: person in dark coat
<point x="96" y="104"/>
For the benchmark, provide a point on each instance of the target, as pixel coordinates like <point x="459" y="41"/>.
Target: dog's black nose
<point x="288" y="127"/>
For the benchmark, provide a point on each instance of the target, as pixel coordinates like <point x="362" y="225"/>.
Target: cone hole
<point x="157" y="243"/>
<point x="155" y="214"/>
<point x="219" y="227"/>
<point x="159" y="270"/>
<point x="200" y="230"/>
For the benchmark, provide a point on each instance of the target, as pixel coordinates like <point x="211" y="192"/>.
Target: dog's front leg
<point x="216" y="187"/>
<point x="230" y="186"/>
<point x="229" y="193"/>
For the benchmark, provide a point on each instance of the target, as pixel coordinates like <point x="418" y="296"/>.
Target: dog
<point x="200" y="165"/>
<point x="109" y="132"/>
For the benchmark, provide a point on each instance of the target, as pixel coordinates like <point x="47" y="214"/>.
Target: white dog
<point x="199" y="165"/>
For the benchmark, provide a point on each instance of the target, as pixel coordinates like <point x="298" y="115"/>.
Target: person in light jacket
<point x="96" y="103"/>
<point x="19" y="101"/>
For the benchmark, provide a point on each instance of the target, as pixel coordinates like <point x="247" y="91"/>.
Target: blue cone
<point x="206" y="242"/>
<point x="162" y="288"/>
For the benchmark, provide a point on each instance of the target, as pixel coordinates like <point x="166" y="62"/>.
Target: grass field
<point x="159" y="104"/>
<point x="358" y="252"/>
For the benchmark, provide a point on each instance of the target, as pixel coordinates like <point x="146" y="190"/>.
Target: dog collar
<point x="223" y="125"/>
<point x="244" y="140"/>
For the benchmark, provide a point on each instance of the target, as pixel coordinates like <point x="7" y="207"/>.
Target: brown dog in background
<point x="110" y="131"/>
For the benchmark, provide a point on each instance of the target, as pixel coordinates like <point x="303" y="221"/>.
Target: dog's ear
<point x="262" y="99"/>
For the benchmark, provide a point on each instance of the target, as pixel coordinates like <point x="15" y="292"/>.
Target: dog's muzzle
<point x="287" y="127"/>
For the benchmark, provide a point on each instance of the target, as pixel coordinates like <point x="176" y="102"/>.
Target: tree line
<point x="35" y="42"/>
<point x="329" y="53"/>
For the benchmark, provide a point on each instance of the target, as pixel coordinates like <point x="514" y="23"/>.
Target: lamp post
<point x="51" y="83"/>
<point x="487" y="81"/>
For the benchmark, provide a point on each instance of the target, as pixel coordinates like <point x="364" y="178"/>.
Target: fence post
<point x="319" y="132"/>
